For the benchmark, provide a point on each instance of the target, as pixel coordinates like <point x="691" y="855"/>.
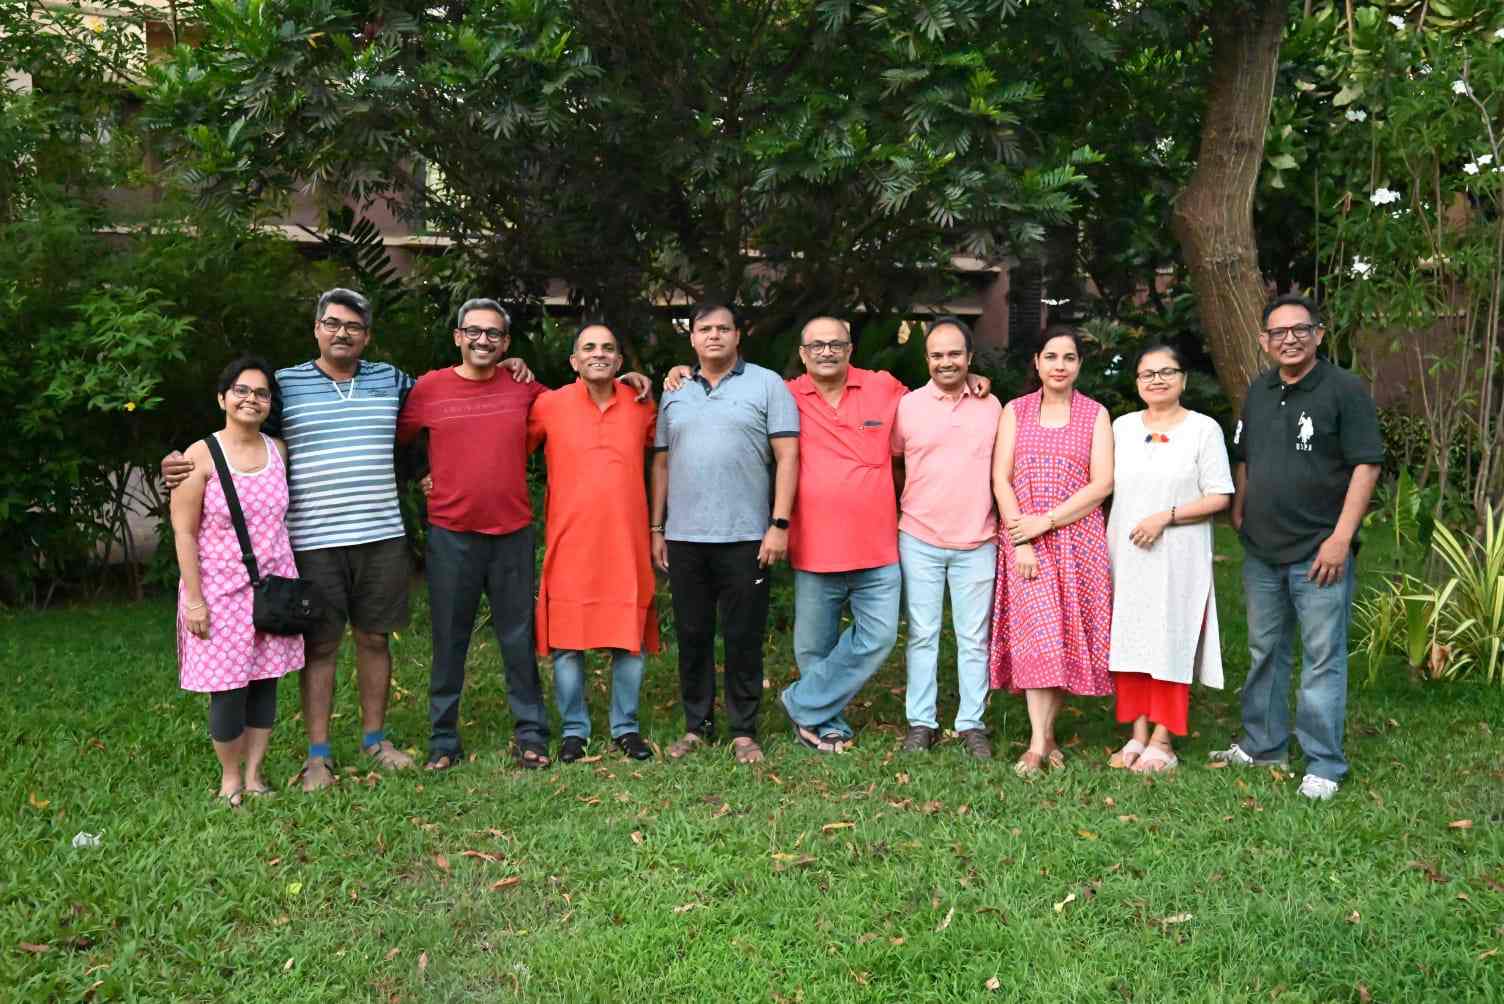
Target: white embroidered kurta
<point x="1164" y="609"/>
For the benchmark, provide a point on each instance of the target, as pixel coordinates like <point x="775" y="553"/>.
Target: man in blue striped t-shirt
<point x="338" y="415"/>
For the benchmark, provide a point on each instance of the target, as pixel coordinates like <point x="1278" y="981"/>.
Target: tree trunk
<point x="1214" y="214"/>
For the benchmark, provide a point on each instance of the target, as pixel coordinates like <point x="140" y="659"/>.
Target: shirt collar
<point x="939" y="394"/>
<point x="736" y="370"/>
<point x="805" y="384"/>
<point x="1310" y="381"/>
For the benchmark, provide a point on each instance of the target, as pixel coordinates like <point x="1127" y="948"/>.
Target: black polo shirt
<point x="1300" y="443"/>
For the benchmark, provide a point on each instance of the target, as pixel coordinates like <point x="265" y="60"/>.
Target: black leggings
<point x="231" y="712"/>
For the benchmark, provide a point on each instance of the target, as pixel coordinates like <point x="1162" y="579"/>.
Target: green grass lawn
<point x="871" y="876"/>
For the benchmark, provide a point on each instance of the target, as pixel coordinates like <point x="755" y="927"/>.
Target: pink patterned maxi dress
<point x="1052" y="631"/>
<point x="235" y="653"/>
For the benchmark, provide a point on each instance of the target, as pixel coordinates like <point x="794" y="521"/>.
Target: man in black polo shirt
<point x="1307" y="453"/>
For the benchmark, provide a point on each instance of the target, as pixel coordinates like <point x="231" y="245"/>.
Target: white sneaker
<point x="1237" y="757"/>
<point x="1318" y="788"/>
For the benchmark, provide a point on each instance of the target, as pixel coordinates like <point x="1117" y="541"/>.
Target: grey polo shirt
<point x="720" y="464"/>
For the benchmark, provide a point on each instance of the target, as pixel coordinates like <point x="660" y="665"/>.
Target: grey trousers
<point x="462" y="567"/>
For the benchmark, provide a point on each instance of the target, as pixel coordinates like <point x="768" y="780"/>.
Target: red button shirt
<point x="845" y="515"/>
<point x="477" y="447"/>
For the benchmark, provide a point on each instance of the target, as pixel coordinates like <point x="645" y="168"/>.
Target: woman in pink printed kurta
<point x="1052" y="607"/>
<point x="220" y="652"/>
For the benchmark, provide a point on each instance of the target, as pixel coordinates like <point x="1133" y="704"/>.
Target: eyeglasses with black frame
<point x="1166" y="375"/>
<point x="474" y="334"/>
<point x="241" y="391"/>
<point x="820" y="348"/>
<point x="1299" y="332"/>
<point x="333" y="326"/>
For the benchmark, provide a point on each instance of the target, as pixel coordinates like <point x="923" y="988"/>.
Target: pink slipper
<point x="1155" y="761"/>
<point x="1126" y="757"/>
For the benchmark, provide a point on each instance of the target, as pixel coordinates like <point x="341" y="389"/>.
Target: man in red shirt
<point x="480" y="535"/>
<point x="843" y="543"/>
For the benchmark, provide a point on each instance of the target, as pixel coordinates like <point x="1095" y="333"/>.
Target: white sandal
<point x="1155" y="760"/>
<point x="1132" y="748"/>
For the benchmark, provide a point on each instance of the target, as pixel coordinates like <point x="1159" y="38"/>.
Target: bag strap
<point x="237" y="516"/>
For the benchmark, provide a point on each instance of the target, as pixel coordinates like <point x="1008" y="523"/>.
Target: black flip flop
<point x="451" y="758"/>
<point x="540" y="760"/>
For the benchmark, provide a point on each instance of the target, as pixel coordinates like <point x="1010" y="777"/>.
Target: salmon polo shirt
<point x="946" y="442"/>
<point x="845" y="518"/>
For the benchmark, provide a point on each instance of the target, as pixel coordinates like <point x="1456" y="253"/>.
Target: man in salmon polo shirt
<point x="945" y="434"/>
<point x="843" y="543"/>
<point x="480" y="535"/>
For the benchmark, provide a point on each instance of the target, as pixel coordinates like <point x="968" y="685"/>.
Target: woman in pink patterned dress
<point x="220" y="652"/>
<point x="1052" y="609"/>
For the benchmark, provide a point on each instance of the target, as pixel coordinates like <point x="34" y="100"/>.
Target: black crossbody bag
<point x="280" y="605"/>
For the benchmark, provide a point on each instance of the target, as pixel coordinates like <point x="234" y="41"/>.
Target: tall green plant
<point x="1472" y="621"/>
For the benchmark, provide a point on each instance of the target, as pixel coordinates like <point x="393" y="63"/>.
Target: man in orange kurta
<point x="597" y="589"/>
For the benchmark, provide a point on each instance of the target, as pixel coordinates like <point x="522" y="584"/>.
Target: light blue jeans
<point x="569" y="691"/>
<point x="927" y="570"/>
<point x="834" y="664"/>
<point x="1279" y="597"/>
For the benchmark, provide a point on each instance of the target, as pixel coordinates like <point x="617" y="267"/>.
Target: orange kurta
<point x="597" y="588"/>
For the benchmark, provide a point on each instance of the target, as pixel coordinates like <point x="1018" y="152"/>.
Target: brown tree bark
<point x="1213" y="217"/>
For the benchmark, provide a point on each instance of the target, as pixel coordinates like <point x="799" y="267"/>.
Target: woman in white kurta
<point x="1170" y="477"/>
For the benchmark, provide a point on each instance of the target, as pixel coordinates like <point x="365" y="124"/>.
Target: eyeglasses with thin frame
<point x="333" y="326"/>
<point x="475" y="334"/>
<point x="242" y="391"/>
<point x="1299" y="332"/>
<point x="820" y="348"/>
<point x="1165" y="375"/>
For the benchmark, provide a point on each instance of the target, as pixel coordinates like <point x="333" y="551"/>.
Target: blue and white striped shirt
<point x="341" y="477"/>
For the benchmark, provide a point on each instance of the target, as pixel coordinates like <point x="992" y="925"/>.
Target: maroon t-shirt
<point x="477" y="448"/>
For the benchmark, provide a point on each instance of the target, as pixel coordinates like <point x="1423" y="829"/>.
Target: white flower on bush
<point x="1384" y="196"/>
<point x="1461" y="87"/>
<point x="1487" y="158"/>
<point x="1499" y="34"/>
<point x="1356" y="115"/>
<point x="1469" y="168"/>
<point x="1360" y="268"/>
<point x="1397" y="21"/>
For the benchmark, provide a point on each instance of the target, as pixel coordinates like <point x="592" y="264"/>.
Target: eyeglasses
<point x="1299" y="332"/>
<point x="240" y="392"/>
<point x="488" y="334"/>
<point x="1166" y="375"/>
<point x="820" y="348"/>
<point x="333" y="325"/>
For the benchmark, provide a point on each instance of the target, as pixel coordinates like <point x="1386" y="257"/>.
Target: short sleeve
<point x="1239" y="431"/>
<point x="1212" y="467"/>
<point x="404" y="383"/>
<point x="535" y="390"/>
<point x="783" y="412"/>
<point x="1362" y="440"/>
<point x="660" y="426"/>
<point x="410" y="417"/>
<point x="897" y="439"/>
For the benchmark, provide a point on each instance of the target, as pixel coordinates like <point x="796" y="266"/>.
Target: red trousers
<point x="1165" y="703"/>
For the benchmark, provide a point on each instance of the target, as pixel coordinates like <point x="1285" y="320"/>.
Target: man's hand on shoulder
<point x="175" y="469"/>
<point x="640" y="383"/>
<point x="515" y="366"/>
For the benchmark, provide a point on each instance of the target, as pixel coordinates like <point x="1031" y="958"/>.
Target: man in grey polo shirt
<point x="725" y="469"/>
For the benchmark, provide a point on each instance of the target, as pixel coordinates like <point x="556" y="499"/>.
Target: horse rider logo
<point x="1304" y="431"/>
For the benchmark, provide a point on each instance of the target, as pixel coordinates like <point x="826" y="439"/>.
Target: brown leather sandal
<point x="746" y="750"/>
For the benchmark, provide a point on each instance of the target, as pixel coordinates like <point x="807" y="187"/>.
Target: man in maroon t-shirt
<point x="480" y="534"/>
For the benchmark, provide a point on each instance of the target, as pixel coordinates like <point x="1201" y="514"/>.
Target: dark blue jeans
<point x="462" y="567"/>
<point x="1280" y="597"/>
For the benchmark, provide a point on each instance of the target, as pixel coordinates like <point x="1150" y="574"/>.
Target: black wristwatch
<point x="781" y="524"/>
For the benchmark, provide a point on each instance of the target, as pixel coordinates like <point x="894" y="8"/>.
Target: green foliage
<point x="1470" y="608"/>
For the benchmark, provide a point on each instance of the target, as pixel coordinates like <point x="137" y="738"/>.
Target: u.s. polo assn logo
<point x="1304" y="430"/>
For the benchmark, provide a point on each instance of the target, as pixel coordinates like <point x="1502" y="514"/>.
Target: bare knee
<point x="370" y="643"/>
<point x="322" y="653"/>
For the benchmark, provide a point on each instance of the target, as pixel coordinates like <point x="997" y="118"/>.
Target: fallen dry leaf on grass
<point x="1460" y="824"/>
<point x="422" y="961"/>
<point x="591" y="759"/>
<point x="1177" y="918"/>
<point x="637" y="837"/>
<point x="506" y="883"/>
<point x="287" y="965"/>
<point x="442" y="862"/>
<point x="392" y="953"/>
<point x="1364" y="995"/>
<point x="1127" y="819"/>
<point x="27" y="946"/>
<point x="38" y="803"/>
<point x="1086" y="835"/>
<point x="685" y="907"/>
<point x="949" y="916"/>
<point x="1060" y="906"/>
<point x="481" y="855"/>
<point x="1216" y="765"/>
<point x="1354" y="917"/>
<point x="843" y="824"/>
<point x="1487" y="954"/>
<point x="993" y="984"/>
